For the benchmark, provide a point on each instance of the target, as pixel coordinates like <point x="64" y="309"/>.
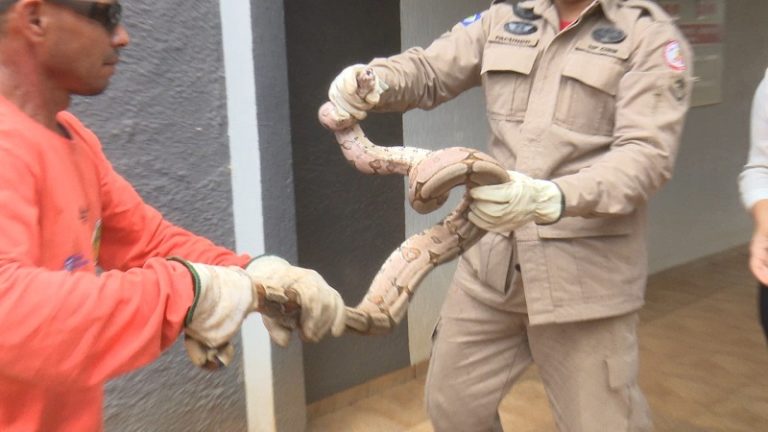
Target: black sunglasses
<point x="106" y="14"/>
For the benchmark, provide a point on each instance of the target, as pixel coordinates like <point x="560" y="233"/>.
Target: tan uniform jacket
<point x="598" y="108"/>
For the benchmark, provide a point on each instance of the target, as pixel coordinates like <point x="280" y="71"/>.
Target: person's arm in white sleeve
<point x="753" y="182"/>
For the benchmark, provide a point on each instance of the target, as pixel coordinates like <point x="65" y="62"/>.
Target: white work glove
<point x="322" y="308"/>
<point x="503" y="208"/>
<point x="288" y="297"/>
<point x="355" y="91"/>
<point x="223" y="298"/>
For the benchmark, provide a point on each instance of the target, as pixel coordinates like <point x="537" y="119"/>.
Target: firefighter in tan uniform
<point x="586" y="101"/>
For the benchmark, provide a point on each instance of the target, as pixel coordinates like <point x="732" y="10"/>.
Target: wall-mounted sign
<point x="702" y="22"/>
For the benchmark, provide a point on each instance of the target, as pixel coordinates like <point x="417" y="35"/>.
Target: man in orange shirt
<point x="64" y="212"/>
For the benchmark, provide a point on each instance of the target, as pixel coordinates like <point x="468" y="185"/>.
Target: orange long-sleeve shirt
<point x="65" y="330"/>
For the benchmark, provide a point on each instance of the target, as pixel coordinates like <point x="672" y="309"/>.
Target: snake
<point x="431" y="177"/>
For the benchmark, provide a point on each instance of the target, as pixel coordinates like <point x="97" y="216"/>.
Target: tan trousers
<point x="589" y="369"/>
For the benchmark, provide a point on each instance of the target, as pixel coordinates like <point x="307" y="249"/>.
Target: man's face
<point x="82" y="46"/>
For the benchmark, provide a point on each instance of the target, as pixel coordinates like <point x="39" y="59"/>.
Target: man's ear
<point x="31" y="19"/>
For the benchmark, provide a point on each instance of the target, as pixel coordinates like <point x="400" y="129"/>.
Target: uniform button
<point x="517" y="267"/>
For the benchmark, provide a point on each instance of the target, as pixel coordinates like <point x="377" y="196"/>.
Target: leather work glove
<point x="503" y="208"/>
<point x="322" y="308"/>
<point x="289" y="297"/>
<point x="355" y="91"/>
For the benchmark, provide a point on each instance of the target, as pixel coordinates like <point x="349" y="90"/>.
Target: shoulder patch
<point x="649" y="7"/>
<point x="674" y="56"/>
<point x="471" y="19"/>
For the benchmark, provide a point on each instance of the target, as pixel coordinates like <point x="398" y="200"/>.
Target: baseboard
<point x="353" y="394"/>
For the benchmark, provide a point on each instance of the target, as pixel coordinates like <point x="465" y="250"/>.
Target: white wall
<point x="697" y="214"/>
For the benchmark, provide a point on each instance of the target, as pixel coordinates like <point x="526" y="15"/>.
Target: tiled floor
<point x="704" y="363"/>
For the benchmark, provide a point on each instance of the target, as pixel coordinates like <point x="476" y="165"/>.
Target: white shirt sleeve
<point x="753" y="181"/>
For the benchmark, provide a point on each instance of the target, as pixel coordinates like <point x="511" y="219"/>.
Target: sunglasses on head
<point x="106" y="14"/>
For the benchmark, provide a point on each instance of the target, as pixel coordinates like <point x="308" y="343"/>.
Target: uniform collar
<point x="610" y="7"/>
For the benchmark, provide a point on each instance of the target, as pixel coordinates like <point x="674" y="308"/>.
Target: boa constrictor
<point x="431" y="176"/>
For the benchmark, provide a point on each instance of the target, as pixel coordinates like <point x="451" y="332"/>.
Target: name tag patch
<point x="506" y="39"/>
<point x="589" y="45"/>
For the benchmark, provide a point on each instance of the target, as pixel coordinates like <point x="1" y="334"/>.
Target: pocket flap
<point x="577" y="227"/>
<point x="590" y="70"/>
<point x="505" y="58"/>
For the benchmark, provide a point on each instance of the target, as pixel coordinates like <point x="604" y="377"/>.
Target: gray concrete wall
<point x="347" y="223"/>
<point x="163" y="125"/>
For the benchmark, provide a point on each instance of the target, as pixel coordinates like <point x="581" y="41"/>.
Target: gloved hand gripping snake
<point x="431" y="176"/>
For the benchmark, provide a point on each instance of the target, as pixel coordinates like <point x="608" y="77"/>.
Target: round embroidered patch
<point x="674" y="57"/>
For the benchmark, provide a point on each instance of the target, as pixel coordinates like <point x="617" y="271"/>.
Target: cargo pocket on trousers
<point x="622" y="371"/>
<point x="622" y="379"/>
<point x="495" y="261"/>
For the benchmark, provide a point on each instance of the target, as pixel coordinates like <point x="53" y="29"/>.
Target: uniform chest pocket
<point x="587" y="99"/>
<point x="506" y="75"/>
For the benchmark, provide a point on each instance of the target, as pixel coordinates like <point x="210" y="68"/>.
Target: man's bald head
<point x="51" y="49"/>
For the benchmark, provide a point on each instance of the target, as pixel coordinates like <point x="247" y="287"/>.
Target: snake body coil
<point x="431" y="176"/>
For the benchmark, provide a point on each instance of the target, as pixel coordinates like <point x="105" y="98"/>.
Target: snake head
<point x="331" y="119"/>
